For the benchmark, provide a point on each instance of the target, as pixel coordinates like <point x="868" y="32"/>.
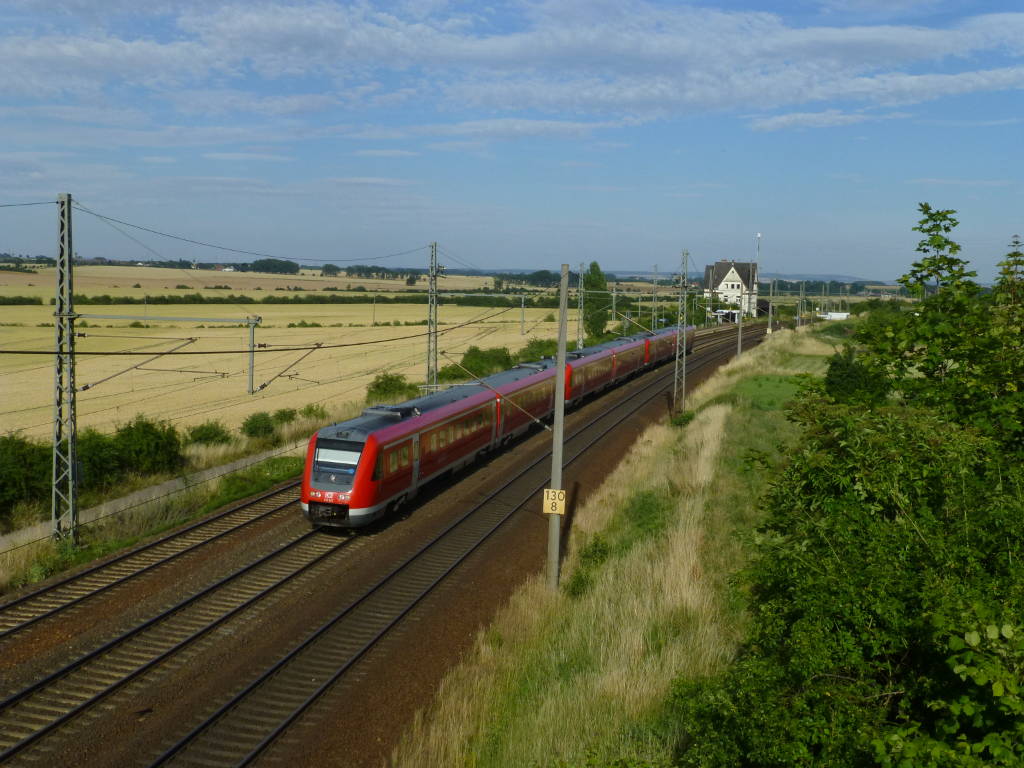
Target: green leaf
<point x="992" y="631"/>
<point x="997" y="689"/>
<point x="1007" y="631"/>
<point x="972" y="638"/>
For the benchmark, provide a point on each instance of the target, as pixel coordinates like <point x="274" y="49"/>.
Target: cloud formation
<point x="633" y="59"/>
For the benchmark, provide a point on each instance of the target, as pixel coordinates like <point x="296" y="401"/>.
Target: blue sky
<point x="517" y="134"/>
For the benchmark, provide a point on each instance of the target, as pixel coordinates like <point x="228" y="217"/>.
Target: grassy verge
<point x="581" y="676"/>
<point x="36" y="562"/>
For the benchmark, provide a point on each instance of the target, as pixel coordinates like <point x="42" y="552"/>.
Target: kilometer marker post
<point x="554" y="497"/>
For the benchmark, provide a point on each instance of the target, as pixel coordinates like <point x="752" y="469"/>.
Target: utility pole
<point x="432" y="318"/>
<point x="681" y="321"/>
<point x="252" y="321"/>
<point x="614" y="314"/>
<point x="555" y="520"/>
<point x="654" y="301"/>
<point x="64" y="495"/>
<point x="579" y="312"/>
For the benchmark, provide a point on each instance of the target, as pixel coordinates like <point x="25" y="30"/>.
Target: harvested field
<point x="191" y="389"/>
<point x="122" y="281"/>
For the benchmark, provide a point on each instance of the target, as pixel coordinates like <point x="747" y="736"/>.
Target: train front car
<point x="337" y="458"/>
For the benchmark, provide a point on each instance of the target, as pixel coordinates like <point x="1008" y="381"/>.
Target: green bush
<point x="148" y="447"/>
<point x="259" y="424"/>
<point x="477" y="362"/>
<point x="887" y="545"/>
<point x="313" y="411"/>
<point x="536" y="349"/>
<point x="100" y="460"/>
<point x="209" y="433"/>
<point x="848" y="380"/>
<point x="25" y="472"/>
<point x="390" y="387"/>
<point x="284" y="416"/>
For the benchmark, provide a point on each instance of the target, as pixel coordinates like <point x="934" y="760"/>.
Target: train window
<point x="392" y="462"/>
<point x="378" y="467"/>
<point x="404" y="456"/>
<point x="433" y="441"/>
<point x="443" y="435"/>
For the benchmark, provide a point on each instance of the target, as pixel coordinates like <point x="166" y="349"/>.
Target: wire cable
<point x="246" y="351"/>
<point x="24" y="205"/>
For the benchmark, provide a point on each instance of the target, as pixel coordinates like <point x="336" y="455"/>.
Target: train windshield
<point x="334" y="462"/>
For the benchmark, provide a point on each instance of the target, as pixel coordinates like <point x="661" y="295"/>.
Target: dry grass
<point x="561" y="677"/>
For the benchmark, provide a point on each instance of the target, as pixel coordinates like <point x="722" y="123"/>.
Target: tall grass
<point x="582" y="673"/>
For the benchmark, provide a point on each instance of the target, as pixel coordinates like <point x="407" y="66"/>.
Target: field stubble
<point x="190" y="389"/>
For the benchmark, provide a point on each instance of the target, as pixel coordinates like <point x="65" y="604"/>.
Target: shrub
<point x="148" y="447"/>
<point x="25" y="472"/>
<point x="477" y="362"/>
<point x="313" y="411"/>
<point x="209" y="433"/>
<point x="183" y="287"/>
<point x="883" y="562"/>
<point x="259" y="424"/>
<point x="535" y="349"/>
<point x="99" y="459"/>
<point x="284" y="416"/>
<point x="390" y="387"/>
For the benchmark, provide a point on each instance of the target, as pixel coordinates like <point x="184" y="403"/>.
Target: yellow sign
<point x="554" y="501"/>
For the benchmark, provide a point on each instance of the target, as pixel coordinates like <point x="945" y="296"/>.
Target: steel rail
<point x="173" y="643"/>
<point x="12" y="613"/>
<point x="296" y="657"/>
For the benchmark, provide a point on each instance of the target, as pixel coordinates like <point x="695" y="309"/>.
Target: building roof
<point x="715" y="273"/>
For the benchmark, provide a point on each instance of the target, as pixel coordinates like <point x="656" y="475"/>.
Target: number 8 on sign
<point x="554" y="501"/>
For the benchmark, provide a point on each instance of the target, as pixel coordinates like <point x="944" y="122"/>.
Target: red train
<point x="363" y="468"/>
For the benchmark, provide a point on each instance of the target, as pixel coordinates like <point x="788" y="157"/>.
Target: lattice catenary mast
<point x="64" y="499"/>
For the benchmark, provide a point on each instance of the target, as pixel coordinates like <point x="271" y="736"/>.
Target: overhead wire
<point x="246" y="351"/>
<point x="25" y="205"/>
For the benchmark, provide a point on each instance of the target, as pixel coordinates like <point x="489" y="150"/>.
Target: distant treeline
<point x="546" y="301"/>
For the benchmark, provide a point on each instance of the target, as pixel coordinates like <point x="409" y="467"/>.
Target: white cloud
<point x="384" y="153"/>
<point x="963" y="182"/>
<point x="830" y="118"/>
<point x="369" y="181"/>
<point x="245" y="156"/>
<point x="627" y="60"/>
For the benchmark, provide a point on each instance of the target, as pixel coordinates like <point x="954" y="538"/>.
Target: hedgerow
<point x="887" y="586"/>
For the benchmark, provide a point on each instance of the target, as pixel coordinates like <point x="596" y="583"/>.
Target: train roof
<point x="380" y="416"/>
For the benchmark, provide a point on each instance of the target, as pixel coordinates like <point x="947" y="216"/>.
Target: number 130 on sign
<point x="554" y="501"/>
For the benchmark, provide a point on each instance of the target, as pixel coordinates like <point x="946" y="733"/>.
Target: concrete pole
<point x="555" y="521"/>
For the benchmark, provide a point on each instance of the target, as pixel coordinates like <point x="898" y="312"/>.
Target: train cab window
<point x="335" y="461"/>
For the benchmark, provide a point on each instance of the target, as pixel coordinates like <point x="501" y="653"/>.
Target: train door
<point x="415" y="464"/>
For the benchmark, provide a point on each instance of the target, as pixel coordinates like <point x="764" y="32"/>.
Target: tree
<point x="960" y="350"/>
<point x="595" y="300"/>
<point x="330" y="270"/>
<point x="275" y="266"/>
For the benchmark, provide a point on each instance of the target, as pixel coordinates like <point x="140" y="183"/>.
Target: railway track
<point x="49" y="704"/>
<point x="67" y="593"/>
<point x="242" y="728"/>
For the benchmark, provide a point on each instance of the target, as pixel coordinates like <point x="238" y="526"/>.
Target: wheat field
<point x="211" y="380"/>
